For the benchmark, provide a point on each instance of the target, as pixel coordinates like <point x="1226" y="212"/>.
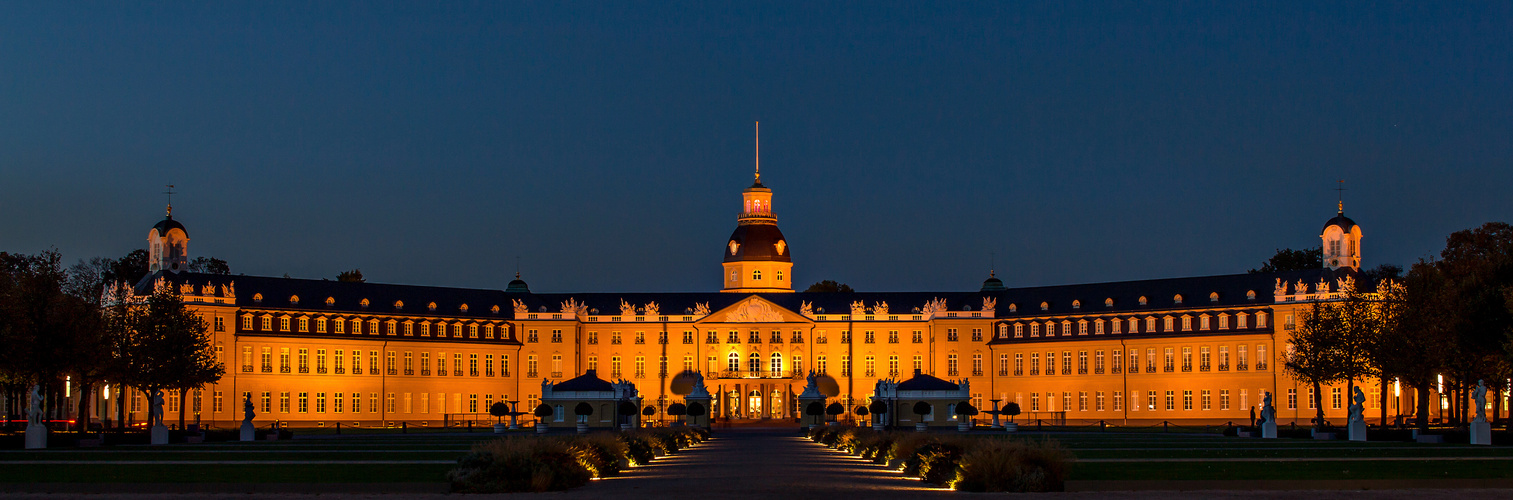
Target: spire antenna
<point x="1340" y="190"/>
<point x="992" y="264"/>
<point x="170" y="193"/>
<point x="759" y="152"/>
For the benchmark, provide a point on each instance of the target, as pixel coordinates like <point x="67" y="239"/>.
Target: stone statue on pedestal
<point x="1268" y="418"/>
<point x="155" y="418"/>
<point x="1481" y="429"/>
<point x="1357" y="422"/>
<point x="36" y="429"/>
<point x="249" y="433"/>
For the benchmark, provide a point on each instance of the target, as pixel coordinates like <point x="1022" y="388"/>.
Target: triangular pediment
<point x="754" y="309"/>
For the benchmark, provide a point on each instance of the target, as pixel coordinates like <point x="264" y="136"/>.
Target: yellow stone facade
<point x="1187" y="351"/>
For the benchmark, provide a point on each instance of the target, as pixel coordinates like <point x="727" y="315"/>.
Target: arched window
<point x="780" y="276"/>
<point x="735" y="362"/>
<point x="777" y="364"/>
<point x="754" y="363"/>
<point x="757" y="274"/>
<point x="732" y="276"/>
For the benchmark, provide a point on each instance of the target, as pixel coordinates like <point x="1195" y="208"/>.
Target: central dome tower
<point x="756" y="255"/>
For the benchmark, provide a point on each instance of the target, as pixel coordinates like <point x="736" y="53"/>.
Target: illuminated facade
<point x="1202" y="349"/>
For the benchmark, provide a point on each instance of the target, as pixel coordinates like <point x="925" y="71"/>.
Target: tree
<point x="834" y="410"/>
<point x="921" y="408"/>
<point x="965" y="410"/>
<point x="1382" y="273"/>
<point x="860" y="411"/>
<point x="1359" y="333"/>
<point x="1011" y="409"/>
<point x="170" y="347"/>
<point x="542" y="411"/>
<point x="130" y="268"/>
<point x="829" y="286"/>
<point x="1477" y="265"/>
<point x="1288" y="259"/>
<point x="583" y="410"/>
<point x="353" y="276"/>
<point x="815" y="408"/>
<point x="1318" y="352"/>
<point x="209" y="265"/>
<point x="499" y="410"/>
<point x="695" y="409"/>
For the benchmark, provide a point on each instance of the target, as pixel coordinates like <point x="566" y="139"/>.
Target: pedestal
<point x="498" y="428"/>
<point x="963" y="426"/>
<point x="1269" y="430"/>
<point x="541" y="428"/>
<point x="1481" y="433"/>
<point x="582" y="428"/>
<point x="920" y="427"/>
<point x="160" y="434"/>
<point x="248" y="432"/>
<point x="36" y="437"/>
<point x="1011" y="427"/>
<point x="1358" y="431"/>
<point x="806" y="418"/>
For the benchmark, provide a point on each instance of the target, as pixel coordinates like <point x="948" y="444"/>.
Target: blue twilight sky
<point x="606" y="143"/>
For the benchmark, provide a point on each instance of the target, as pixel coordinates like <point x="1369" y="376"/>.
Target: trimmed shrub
<point x="905" y="444"/>
<point x="518" y="464"/>
<point x="639" y="447"/>
<point x="600" y="453"/>
<point x="1012" y="465"/>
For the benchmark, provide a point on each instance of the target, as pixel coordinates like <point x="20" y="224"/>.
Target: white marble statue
<point x="155" y="408"/>
<point x="1357" y="406"/>
<point x="1268" y="412"/>
<point x="1480" y="396"/>
<point x="34" y="411"/>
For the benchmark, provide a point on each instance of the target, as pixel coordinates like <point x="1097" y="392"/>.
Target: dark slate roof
<point x="1340" y="220"/>
<point x="347" y="296"/>
<point x="168" y="223"/>
<point x="923" y="382"/>
<point x="1160" y="293"/>
<point x="758" y="242"/>
<point x="588" y="381"/>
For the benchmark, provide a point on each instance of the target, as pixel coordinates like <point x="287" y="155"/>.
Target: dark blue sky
<point x="606" y="145"/>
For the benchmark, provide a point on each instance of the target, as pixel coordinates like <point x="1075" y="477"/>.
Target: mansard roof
<point x="588" y="381"/>
<point x="924" y="382"/>
<point x="1232" y="291"/>
<point x="346" y="297"/>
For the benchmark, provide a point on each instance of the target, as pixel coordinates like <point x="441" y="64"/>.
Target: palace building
<point x="317" y="353"/>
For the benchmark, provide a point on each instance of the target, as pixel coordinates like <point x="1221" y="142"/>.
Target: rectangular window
<point x="1292" y="399"/>
<point x="1171" y="401"/>
<point x="473" y="364"/>
<point x="1082" y="362"/>
<point x="340" y="324"/>
<point x="1034" y="363"/>
<point x="1260" y="356"/>
<point x="1203" y="358"/>
<point x="1034" y="401"/>
<point x="1240" y="358"/>
<point x="283" y="402"/>
<point x="1223" y="399"/>
<point x="336" y="398"/>
<point x="283" y="360"/>
<point x="217" y="404"/>
<point x="267" y="400"/>
<point x="472" y="403"/>
<point x="1099" y="406"/>
<point x="372" y="362"/>
<point x="1119" y="401"/>
<point x="1082" y="401"/>
<point x="1066" y="401"/>
<point x="1334" y="398"/>
<point x="304" y="360"/>
<point x="1018" y="363"/>
<point x="1205" y="400"/>
<point x="304" y="402"/>
<point x="389" y="403"/>
<point x="246" y="358"/>
<point x="1312" y="399"/>
<point x="1187" y="359"/>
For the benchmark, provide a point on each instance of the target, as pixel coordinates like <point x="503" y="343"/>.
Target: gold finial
<point x="1341" y="191"/>
<point x="758" y="152"/>
<point x="169" y="192"/>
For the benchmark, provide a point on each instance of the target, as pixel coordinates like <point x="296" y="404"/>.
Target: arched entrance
<point x="754" y="404"/>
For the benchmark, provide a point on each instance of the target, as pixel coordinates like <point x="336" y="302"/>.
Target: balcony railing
<point x="247" y="368"/>
<point x="1066" y="371"/>
<point x="1202" y="368"/>
<point x="425" y="372"/>
<point x="409" y="371"/>
<point x="283" y="369"/>
<point x="976" y="373"/>
<point x="532" y="374"/>
<point x="1151" y="369"/>
<point x="1187" y="368"/>
<point x="1261" y="366"/>
<point x="393" y="371"/>
<point x="759" y="374"/>
<point x="1097" y="371"/>
<point x="1034" y="371"/>
<point x="321" y="371"/>
<point x="488" y="373"/>
<point x="458" y="373"/>
<point x="340" y="370"/>
<point x="304" y="369"/>
<point x="1240" y="367"/>
<point x="372" y="371"/>
<point x="1223" y="368"/>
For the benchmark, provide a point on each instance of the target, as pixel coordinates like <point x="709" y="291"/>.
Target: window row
<point x="1147" y="324"/>
<point x="357" y="326"/>
<point x="1209" y="358"/>
<point x="340" y="362"/>
<point x="359" y="402"/>
<point x="1168" y="400"/>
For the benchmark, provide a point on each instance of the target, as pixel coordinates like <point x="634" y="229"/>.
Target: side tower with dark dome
<point x="757" y="256"/>
<point x="1342" y="242"/>
<point x="168" y="246"/>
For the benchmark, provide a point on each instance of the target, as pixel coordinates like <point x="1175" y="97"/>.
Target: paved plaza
<point x="736" y="463"/>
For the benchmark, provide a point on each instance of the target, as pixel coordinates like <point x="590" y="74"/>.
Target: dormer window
<point x="1143" y="300"/>
<point x="293" y="300"/>
<point x="494" y="310"/>
<point x="1177" y="299"/>
<point x="1044" y="306"/>
<point x="431" y="306"/>
<point x="1213" y="297"/>
<point x="257" y="298"/>
<point x="1109" y="302"/>
<point x="1013" y="308"/>
<point x="363" y="303"/>
<point x="464" y="308"/>
<point x="330" y="301"/>
<point x="399" y="305"/>
<point x="1076" y="304"/>
<point x="1250" y="295"/>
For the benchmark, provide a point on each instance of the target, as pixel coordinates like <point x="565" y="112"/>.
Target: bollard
<point x="338" y="428"/>
<point x="404" y="428"/>
<point x="1166" y="426"/>
<point x="470" y="426"/>
<point x="1102" y="427"/>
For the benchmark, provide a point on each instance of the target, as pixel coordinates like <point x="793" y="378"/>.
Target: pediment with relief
<point x="755" y="310"/>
